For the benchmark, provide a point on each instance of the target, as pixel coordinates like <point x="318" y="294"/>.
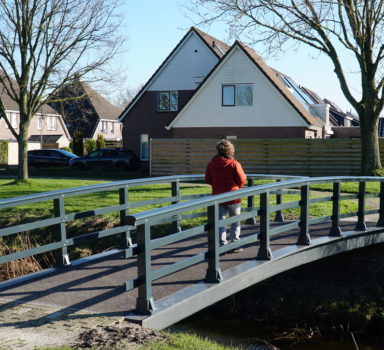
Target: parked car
<point x="49" y="157"/>
<point x="107" y="157"/>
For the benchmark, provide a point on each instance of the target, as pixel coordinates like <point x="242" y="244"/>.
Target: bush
<point x="100" y="142"/>
<point x="3" y="153"/>
<point x="378" y="172"/>
<point x="90" y="145"/>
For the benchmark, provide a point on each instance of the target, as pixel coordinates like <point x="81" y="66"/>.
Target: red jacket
<point x="225" y="175"/>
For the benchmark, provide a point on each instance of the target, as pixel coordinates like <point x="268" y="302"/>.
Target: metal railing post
<point x="62" y="257"/>
<point x="144" y="304"/>
<point x="176" y="193"/>
<point x="335" y="229"/>
<point x="250" y="204"/>
<point x="264" y="249"/>
<point x="361" y="226"/>
<point x="126" y="239"/>
<point x="213" y="271"/>
<point x="380" y="222"/>
<point x="279" y="199"/>
<point x="304" y="238"/>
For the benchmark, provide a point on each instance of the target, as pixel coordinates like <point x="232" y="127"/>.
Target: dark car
<point x="49" y="157"/>
<point x="107" y="157"/>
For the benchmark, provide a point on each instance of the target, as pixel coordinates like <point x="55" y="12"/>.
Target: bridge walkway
<point x="97" y="286"/>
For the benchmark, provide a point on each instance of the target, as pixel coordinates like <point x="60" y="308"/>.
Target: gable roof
<point x="102" y="106"/>
<point x="270" y="74"/>
<point x="11" y="105"/>
<point x="216" y="46"/>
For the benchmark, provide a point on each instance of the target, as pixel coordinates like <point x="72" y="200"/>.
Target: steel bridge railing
<point x="61" y="217"/>
<point x="145" y="221"/>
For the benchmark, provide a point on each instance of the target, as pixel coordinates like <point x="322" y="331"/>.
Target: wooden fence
<point x="308" y="157"/>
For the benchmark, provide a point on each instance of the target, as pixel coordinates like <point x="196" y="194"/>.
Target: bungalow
<point x="207" y="89"/>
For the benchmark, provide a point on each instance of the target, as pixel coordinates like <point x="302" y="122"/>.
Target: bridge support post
<point x="126" y="240"/>
<point x="304" y="238"/>
<point x="176" y="193"/>
<point x="213" y="271"/>
<point x="361" y="226"/>
<point x="145" y="304"/>
<point x="380" y="222"/>
<point x="250" y="204"/>
<point x="279" y="199"/>
<point x="335" y="229"/>
<point x="62" y="257"/>
<point x="264" y="249"/>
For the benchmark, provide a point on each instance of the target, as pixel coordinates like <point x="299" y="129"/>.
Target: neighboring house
<point x="207" y="89"/>
<point x="46" y="127"/>
<point x="89" y="113"/>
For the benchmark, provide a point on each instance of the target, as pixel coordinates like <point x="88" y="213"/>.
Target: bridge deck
<point x="98" y="285"/>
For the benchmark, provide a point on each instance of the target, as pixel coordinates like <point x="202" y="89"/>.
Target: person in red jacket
<point x="224" y="173"/>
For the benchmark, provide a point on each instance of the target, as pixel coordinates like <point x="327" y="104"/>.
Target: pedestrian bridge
<point x="168" y="263"/>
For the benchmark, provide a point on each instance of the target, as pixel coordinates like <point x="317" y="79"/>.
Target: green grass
<point x="349" y="187"/>
<point x="177" y="341"/>
<point x="183" y="341"/>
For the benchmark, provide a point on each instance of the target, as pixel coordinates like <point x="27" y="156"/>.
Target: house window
<point x="51" y="123"/>
<point x="144" y="147"/>
<point x="104" y="127"/>
<point x="167" y="101"/>
<point x="40" y="121"/>
<point x="237" y="95"/>
<point x="12" y="117"/>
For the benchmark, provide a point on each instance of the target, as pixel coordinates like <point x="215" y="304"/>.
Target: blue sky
<point x="155" y="27"/>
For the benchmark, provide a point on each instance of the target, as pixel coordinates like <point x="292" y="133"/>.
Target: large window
<point x="144" y="147"/>
<point x="237" y="95"/>
<point x="167" y="101"/>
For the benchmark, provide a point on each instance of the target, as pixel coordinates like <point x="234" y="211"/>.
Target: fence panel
<point x="307" y="157"/>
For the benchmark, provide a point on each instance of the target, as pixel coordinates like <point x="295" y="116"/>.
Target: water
<point x="241" y="332"/>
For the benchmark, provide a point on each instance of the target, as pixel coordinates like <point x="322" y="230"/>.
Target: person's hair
<point x="225" y="149"/>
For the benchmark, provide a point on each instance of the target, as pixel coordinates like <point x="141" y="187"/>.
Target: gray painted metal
<point x="197" y="297"/>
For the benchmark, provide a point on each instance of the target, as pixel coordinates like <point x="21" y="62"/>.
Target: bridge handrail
<point x="143" y="221"/>
<point x="61" y="217"/>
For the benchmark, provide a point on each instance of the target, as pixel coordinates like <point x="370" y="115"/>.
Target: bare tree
<point x="47" y="43"/>
<point x="351" y="29"/>
<point x="126" y="96"/>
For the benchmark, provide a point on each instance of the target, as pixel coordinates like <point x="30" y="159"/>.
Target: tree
<point x="45" y="44"/>
<point x="351" y="29"/>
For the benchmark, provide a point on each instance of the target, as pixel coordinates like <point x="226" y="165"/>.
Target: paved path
<point x="53" y="309"/>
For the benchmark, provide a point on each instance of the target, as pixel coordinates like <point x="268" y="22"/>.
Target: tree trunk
<point x="23" y="150"/>
<point x="370" y="151"/>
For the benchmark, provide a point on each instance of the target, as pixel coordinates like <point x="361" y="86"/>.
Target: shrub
<point x="3" y="153"/>
<point x="100" y="142"/>
<point x="90" y="145"/>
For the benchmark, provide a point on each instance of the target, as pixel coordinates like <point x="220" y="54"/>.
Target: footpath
<point x="27" y="326"/>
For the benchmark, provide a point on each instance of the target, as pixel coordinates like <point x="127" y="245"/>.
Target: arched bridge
<point x="169" y="263"/>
